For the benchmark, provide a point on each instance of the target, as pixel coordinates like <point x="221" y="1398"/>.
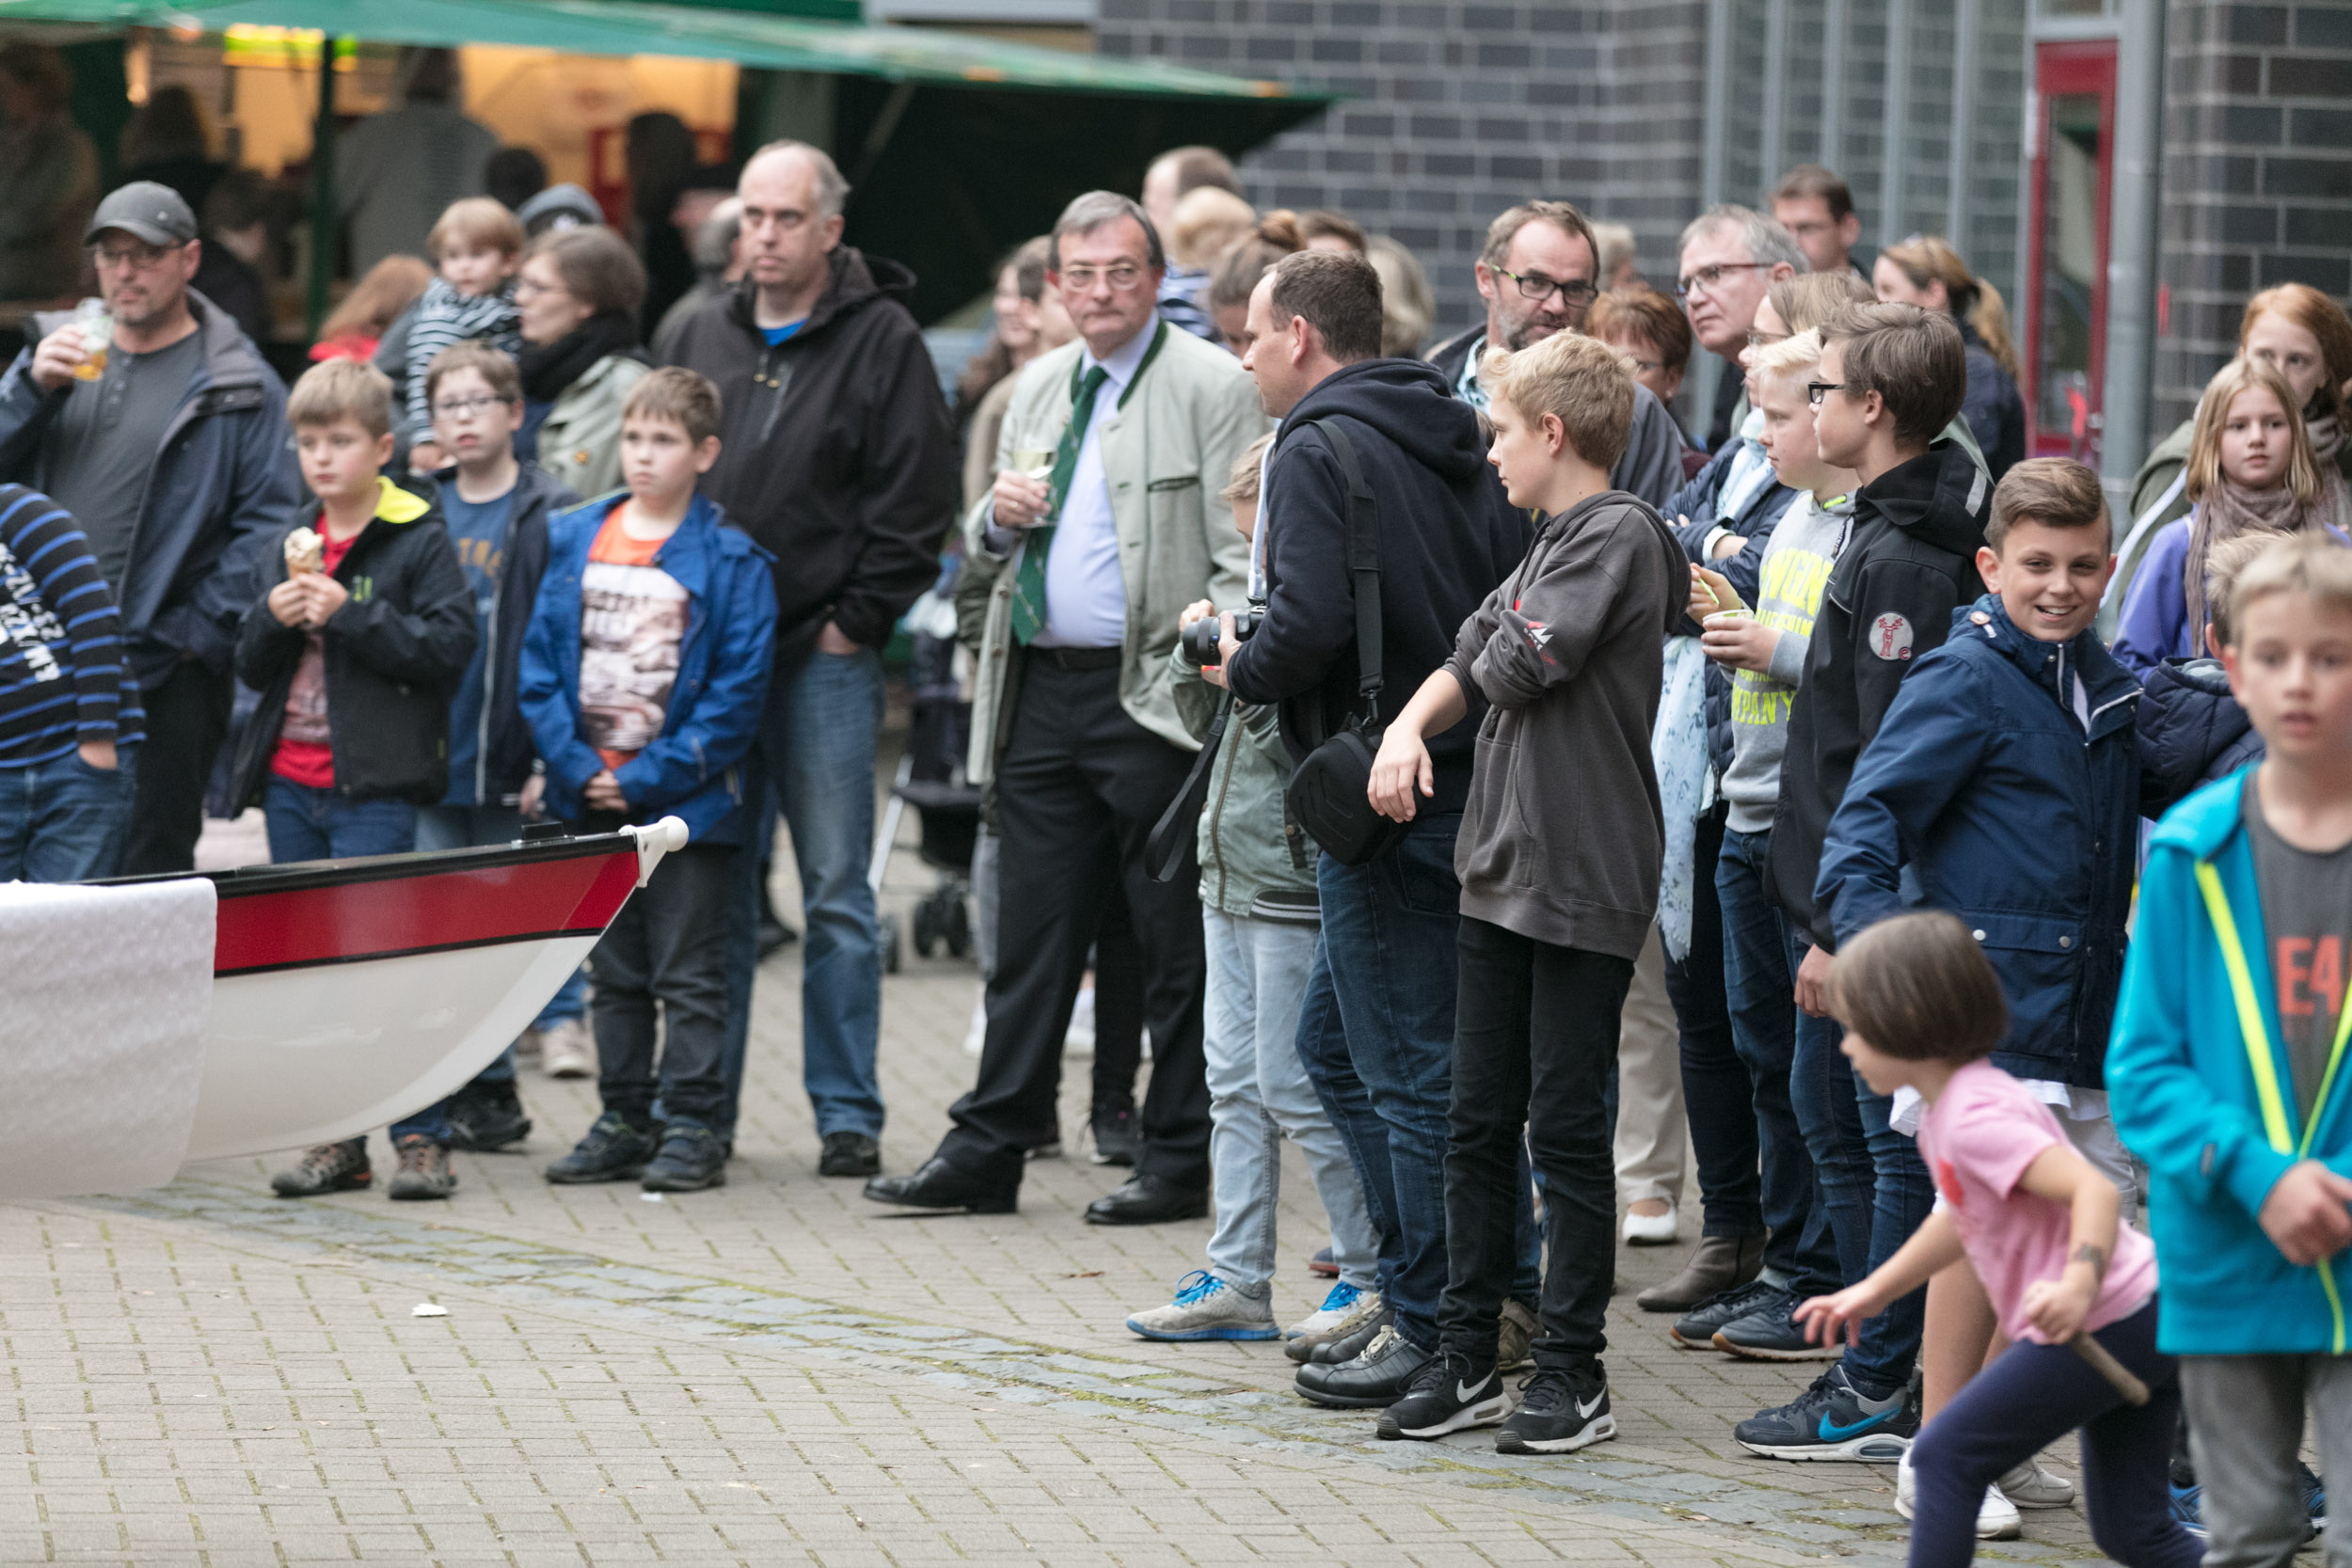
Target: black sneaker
<point x="1561" y="1410"/>
<point x="327" y="1168"/>
<point x="487" y="1117"/>
<point x="1373" y="1381"/>
<point x="1830" y="1420"/>
<point x="1114" y="1137"/>
<point x="1772" y="1333"/>
<point x="1448" y="1394"/>
<point x="613" y="1152"/>
<point x="424" y="1172"/>
<point x="690" y="1157"/>
<point x="850" y="1154"/>
<point x="1696" y="1328"/>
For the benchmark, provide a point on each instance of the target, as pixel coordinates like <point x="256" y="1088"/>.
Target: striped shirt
<point x="62" y="676"/>
<point x="443" y="317"/>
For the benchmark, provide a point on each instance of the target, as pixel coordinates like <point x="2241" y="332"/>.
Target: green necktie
<point x="1028" y="585"/>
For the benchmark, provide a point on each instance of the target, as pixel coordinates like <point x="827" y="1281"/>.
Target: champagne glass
<point x="98" y="333"/>
<point x="1034" y="447"/>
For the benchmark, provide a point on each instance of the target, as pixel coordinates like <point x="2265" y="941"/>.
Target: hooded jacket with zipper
<point x="836" y="453"/>
<point x="1447" y="536"/>
<point x="2212" y="1110"/>
<point x="504" y="751"/>
<point x="2191" y="730"/>
<point x="393" y="653"/>
<point x="1563" y="837"/>
<point x="1910" y="560"/>
<point x="1255" y="862"/>
<point x="223" y="482"/>
<point x="725" y="658"/>
<point x="1985" y="783"/>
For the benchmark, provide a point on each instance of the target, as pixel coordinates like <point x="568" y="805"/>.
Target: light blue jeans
<point x="1259" y="1095"/>
<point x="817" y="744"/>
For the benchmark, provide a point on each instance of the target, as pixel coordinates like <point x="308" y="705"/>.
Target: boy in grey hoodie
<point x="1559" y="857"/>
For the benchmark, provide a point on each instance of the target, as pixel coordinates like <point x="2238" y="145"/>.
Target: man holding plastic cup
<point x="173" y="459"/>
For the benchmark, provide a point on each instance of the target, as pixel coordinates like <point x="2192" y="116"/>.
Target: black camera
<point x="1201" y="637"/>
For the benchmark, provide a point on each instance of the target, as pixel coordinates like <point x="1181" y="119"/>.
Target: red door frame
<point x="2068" y="69"/>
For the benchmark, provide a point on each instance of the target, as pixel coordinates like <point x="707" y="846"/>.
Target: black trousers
<point x="1078" y="789"/>
<point x="667" y="948"/>
<point x="188" y="717"/>
<point x="1534" y="1038"/>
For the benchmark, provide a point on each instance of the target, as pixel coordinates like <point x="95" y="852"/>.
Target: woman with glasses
<point x="579" y="293"/>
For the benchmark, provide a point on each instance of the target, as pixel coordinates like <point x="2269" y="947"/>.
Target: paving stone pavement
<point x="780" y="1372"/>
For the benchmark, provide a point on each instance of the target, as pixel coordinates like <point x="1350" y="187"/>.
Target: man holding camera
<point x="1106" y="526"/>
<point x="1376" y="1033"/>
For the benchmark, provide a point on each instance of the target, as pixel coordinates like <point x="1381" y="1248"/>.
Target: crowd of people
<point x="1444" y="761"/>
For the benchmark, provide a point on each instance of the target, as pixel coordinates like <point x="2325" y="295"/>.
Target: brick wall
<point x="1457" y="110"/>
<point x="2257" y="173"/>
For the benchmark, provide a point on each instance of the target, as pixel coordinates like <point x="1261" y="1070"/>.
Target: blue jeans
<point x="483" y="828"/>
<point x="1802" y="1250"/>
<point x="1902" y="1197"/>
<point x="1390" y="958"/>
<point x="817" y="744"/>
<point x="305" y="824"/>
<point x="1259" y="1094"/>
<point x="63" y="820"/>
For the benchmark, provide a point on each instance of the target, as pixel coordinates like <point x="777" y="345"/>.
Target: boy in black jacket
<point x="1891" y="376"/>
<point x="366" y="625"/>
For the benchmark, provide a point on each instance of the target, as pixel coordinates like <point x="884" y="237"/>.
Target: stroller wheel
<point x="958" y="927"/>
<point x="926" y="932"/>
<point x="890" y="944"/>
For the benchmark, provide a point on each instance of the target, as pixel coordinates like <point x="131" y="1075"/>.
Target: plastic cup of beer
<point x="98" y="333"/>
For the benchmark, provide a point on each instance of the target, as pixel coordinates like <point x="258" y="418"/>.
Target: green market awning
<point x="958" y="147"/>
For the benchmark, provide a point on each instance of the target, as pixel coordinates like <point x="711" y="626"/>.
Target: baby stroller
<point x="931" y="779"/>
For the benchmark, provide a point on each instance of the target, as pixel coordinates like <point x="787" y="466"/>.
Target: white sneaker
<point x="1343" y="1309"/>
<point x="2031" y="1486"/>
<point x="1996" y="1516"/>
<point x="1652" y="1230"/>
<point x="567" y="1051"/>
<point x="1206" y="1307"/>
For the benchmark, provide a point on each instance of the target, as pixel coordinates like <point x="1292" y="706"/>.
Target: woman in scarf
<point x="578" y="295"/>
<point x="2250" y="470"/>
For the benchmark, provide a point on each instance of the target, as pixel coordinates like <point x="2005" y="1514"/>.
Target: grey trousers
<point x="2246" y="1430"/>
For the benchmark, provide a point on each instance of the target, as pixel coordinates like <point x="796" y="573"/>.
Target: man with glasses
<point x="172" y="455"/>
<point x="1730" y="256"/>
<point x="1536" y="275"/>
<point x="1104" y="518"/>
<point x="1816" y="208"/>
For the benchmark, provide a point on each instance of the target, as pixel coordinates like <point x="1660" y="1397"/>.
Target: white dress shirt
<point x="1086" y="594"/>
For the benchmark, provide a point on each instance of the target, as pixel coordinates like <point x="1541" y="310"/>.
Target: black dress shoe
<point x="1148" y="1200"/>
<point x="849" y="1153"/>
<point x="940" y="1185"/>
<point x="1373" y="1381"/>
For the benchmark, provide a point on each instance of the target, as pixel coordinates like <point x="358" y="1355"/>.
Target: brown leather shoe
<point x="1719" y="1263"/>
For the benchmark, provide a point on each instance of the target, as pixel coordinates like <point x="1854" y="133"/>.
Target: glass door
<point x="2073" y="126"/>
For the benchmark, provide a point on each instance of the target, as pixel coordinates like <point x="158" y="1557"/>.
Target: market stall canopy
<point x="959" y="147"/>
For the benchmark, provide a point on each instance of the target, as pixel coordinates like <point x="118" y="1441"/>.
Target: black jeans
<point x="1078" y="789"/>
<point x="188" y="717"/>
<point x="667" y="946"/>
<point x="1716" y="1094"/>
<point x="1534" y="1039"/>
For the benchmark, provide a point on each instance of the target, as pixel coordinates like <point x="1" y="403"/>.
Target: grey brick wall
<point x="1457" y="110"/>
<point x="2257" y="173"/>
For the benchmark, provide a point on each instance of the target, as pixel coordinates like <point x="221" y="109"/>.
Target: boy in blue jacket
<point x="2225" y="1069"/>
<point x="2006" y="780"/>
<point x="643" y="674"/>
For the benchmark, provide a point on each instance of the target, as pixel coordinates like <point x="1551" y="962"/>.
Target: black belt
<point x="1078" y="658"/>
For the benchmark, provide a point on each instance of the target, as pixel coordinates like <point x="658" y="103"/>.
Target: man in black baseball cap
<point x="173" y="457"/>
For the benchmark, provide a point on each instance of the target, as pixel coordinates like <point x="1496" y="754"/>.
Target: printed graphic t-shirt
<point x="633" y="617"/>
<point x="306" y="746"/>
<point x="2307" y="920"/>
<point x="477" y="528"/>
<point x="1978" y="1139"/>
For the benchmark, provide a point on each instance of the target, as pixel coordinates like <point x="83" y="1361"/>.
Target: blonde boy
<point x="476" y="245"/>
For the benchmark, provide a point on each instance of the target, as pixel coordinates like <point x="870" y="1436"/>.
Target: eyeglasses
<point x="462" y="408"/>
<point x="1707" y="277"/>
<point x="1122" y="276"/>
<point x="1574" y="292"/>
<point x="137" y="258"/>
<point x="1815" y="391"/>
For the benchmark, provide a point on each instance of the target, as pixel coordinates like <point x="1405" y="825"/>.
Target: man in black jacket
<point x="1376" y="1030"/>
<point x="837" y="456"/>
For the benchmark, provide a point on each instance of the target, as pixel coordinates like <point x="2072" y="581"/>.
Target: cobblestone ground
<point x="780" y="1372"/>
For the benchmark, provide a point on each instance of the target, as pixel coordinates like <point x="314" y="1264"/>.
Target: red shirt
<point x="305" y="754"/>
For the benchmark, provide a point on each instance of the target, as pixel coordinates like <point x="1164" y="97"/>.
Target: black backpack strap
<point x="1363" y="565"/>
<point x="1163" y="851"/>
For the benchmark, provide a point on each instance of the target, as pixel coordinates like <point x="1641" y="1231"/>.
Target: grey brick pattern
<point x="2257" y="173"/>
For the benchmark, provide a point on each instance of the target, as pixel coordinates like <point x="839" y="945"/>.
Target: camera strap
<point x="1163" y="851"/>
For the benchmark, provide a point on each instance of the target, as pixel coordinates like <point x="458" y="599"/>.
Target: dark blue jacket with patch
<point x="1985" y="783"/>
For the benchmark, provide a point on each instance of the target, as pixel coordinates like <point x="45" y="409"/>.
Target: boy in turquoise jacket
<point x="2225" y="1074"/>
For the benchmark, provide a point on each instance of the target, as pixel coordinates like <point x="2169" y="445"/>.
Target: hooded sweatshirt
<point x="1564" y="836"/>
<point x="1447" y="536"/>
<point x="836" y="454"/>
<point x="1910" y="560"/>
<point x="2191" y="730"/>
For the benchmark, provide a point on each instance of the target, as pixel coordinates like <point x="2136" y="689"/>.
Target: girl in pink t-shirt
<point x="1922" y="1009"/>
